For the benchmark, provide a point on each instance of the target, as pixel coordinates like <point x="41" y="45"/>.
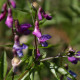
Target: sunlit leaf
<point x="3" y="66"/>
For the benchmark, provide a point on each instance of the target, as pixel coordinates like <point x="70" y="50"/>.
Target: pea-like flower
<point x="73" y="74"/>
<point x="36" y="31"/>
<point x="9" y="20"/>
<point x="19" y="47"/>
<point x="42" y="40"/>
<point x="13" y="3"/>
<point x="74" y="59"/>
<point x="4" y="11"/>
<point x="41" y="13"/>
<point x="23" y="28"/>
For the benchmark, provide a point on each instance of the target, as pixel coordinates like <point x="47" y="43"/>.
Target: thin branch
<point x="50" y="58"/>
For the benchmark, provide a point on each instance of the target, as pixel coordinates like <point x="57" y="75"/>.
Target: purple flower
<point x="72" y="73"/>
<point x="36" y="31"/>
<point x="2" y="15"/>
<point x="13" y="3"/>
<point x="4" y="8"/>
<point x="23" y="28"/>
<point x="19" y="47"/>
<point x="9" y="20"/>
<point x="43" y="40"/>
<point x="73" y="60"/>
<point x="38" y="54"/>
<point x="41" y="13"/>
<point x="4" y="11"/>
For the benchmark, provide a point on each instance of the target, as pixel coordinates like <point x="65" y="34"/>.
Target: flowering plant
<point x="30" y="63"/>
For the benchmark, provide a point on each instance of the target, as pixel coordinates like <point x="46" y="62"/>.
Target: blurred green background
<point x="64" y="29"/>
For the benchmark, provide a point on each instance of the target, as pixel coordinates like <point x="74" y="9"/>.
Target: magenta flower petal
<point x="36" y="31"/>
<point x="13" y="3"/>
<point x="44" y="38"/>
<point x="4" y="8"/>
<point x="40" y="13"/>
<point x="2" y="15"/>
<point x="9" y="20"/>
<point x="73" y="60"/>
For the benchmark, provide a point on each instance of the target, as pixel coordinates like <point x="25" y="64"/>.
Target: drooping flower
<point x="36" y="31"/>
<point x="72" y="73"/>
<point x="42" y="40"/>
<point x="9" y="20"/>
<point x="38" y="54"/>
<point x="23" y="28"/>
<point x="73" y="59"/>
<point x="13" y="3"/>
<point x="4" y="8"/>
<point x="4" y="11"/>
<point x="19" y="47"/>
<point x="41" y="13"/>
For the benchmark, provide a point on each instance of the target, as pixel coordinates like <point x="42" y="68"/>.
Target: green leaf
<point x="62" y="71"/>
<point x="3" y="66"/>
<point x="54" y="72"/>
<point x="25" y="76"/>
<point x="9" y="73"/>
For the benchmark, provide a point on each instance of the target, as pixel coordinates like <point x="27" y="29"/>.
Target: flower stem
<point x="50" y="58"/>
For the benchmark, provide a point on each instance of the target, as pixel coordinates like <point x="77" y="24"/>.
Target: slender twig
<point x="49" y="58"/>
<point x="34" y="19"/>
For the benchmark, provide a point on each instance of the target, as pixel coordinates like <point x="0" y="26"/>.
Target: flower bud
<point x="38" y="54"/>
<point x="9" y="20"/>
<point x="15" y="62"/>
<point x="4" y="8"/>
<point x="40" y="13"/>
<point x="13" y="3"/>
<point x="36" y="31"/>
<point x="4" y="11"/>
<point x="2" y="15"/>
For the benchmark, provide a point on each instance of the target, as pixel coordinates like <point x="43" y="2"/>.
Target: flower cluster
<point x="41" y="38"/>
<point x="41" y="13"/>
<point x="37" y="32"/>
<point x="9" y="20"/>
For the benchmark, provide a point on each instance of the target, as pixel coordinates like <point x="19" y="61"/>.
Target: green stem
<point x="50" y="58"/>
